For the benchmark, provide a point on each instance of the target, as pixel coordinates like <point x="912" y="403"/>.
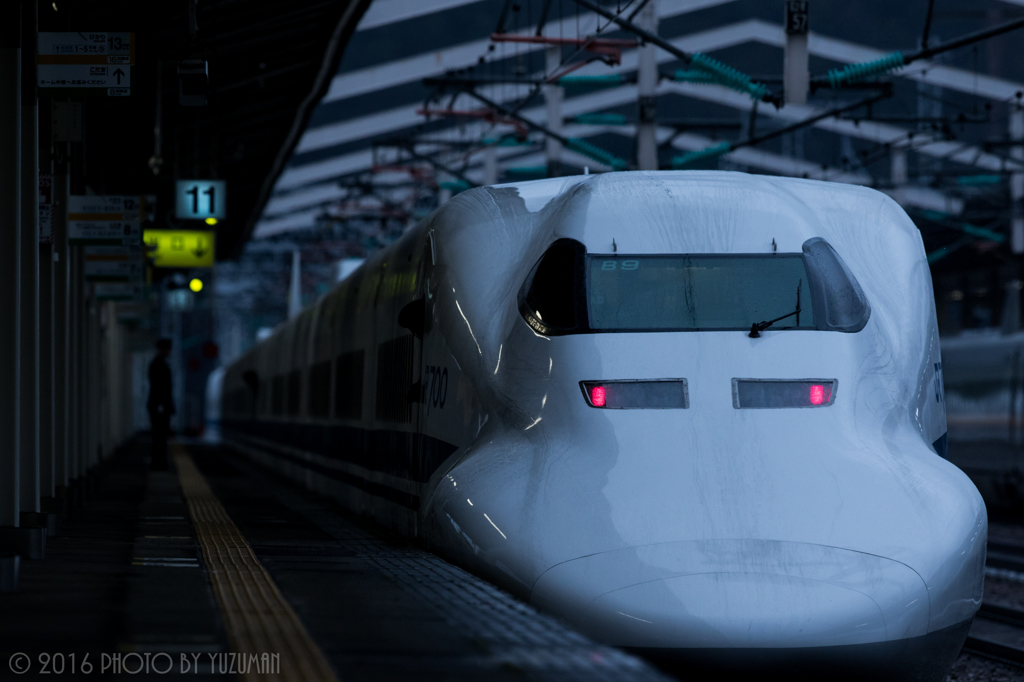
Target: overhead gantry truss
<point x="311" y="181"/>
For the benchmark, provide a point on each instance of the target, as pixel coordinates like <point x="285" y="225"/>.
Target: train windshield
<point x="697" y="292"/>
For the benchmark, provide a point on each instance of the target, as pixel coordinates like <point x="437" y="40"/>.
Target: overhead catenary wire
<point x="724" y="75"/>
<point x="689" y="158"/>
<point x="927" y="23"/>
<point x="573" y="143"/>
<point x="852" y="73"/>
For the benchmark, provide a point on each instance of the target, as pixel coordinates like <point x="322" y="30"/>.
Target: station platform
<point x="216" y="569"/>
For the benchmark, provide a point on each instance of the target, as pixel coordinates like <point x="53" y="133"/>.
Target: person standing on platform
<point x="160" y="403"/>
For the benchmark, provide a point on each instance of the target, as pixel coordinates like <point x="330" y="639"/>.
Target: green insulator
<point x="583" y="147"/>
<point x="693" y="76"/>
<point x="455" y="186"/>
<point x="976" y="180"/>
<point x="858" y="72"/>
<point x="728" y="76"/>
<point x="603" y="80"/>
<point x="540" y="171"/>
<point x="689" y="158"/>
<point x="941" y="253"/>
<point x="976" y="231"/>
<point x="600" y="119"/>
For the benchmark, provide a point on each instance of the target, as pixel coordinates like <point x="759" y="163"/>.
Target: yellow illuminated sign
<point x="179" y="248"/>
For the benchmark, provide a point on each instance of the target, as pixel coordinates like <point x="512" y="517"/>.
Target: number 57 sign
<point x="200" y="199"/>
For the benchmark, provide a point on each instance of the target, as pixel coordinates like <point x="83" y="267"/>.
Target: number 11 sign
<point x="200" y="199"/>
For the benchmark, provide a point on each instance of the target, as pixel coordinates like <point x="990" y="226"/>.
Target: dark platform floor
<point x="125" y="574"/>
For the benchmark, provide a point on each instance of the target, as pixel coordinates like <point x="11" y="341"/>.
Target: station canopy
<point x="398" y="121"/>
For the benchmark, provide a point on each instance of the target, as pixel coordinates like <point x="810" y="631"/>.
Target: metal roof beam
<point x="293" y="211"/>
<point x="405" y="117"/>
<point x="384" y="12"/>
<point x="436" y="62"/>
<point x="754" y="30"/>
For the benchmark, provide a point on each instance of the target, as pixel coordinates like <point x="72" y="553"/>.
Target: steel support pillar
<point x="491" y="165"/>
<point x="61" y="317"/>
<point x="95" y="392"/>
<point x="898" y="167"/>
<point x="10" y="263"/>
<point x="295" y="289"/>
<point x="74" y="365"/>
<point x="553" y="95"/>
<point x="1017" y="181"/>
<point x="47" y="384"/>
<point x="796" y="76"/>
<point x="29" y="339"/>
<point x="647" y="88"/>
<point x="86" y="385"/>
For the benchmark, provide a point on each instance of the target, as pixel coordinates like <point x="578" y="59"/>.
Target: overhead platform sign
<point x="113" y="263"/>
<point x="200" y="200"/>
<point x="118" y="291"/>
<point x="104" y="220"/>
<point x="86" y="63"/>
<point x="180" y="248"/>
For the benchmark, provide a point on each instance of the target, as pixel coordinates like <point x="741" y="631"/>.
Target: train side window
<point x="552" y="300"/>
<point x="320" y="389"/>
<point x="348" y="381"/>
<point x="277" y="396"/>
<point x="394" y="378"/>
<point x="837" y="291"/>
<point x="294" y="392"/>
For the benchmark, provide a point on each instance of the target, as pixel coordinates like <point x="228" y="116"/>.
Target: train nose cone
<point x="737" y="593"/>
<point x="736" y="610"/>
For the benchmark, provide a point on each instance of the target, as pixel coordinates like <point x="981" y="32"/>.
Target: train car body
<point x="555" y="384"/>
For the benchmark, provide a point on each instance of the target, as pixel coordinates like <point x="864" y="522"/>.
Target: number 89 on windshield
<point x="620" y="265"/>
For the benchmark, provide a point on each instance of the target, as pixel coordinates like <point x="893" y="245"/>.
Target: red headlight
<point x="782" y="393"/>
<point x="637" y="394"/>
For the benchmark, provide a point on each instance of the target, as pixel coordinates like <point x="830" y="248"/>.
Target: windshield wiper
<point x="758" y="327"/>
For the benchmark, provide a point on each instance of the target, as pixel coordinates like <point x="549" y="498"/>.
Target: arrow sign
<point x="78" y="63"/>
<point x="180" y="248"/>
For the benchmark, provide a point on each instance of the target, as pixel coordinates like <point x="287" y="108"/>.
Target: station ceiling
<point x="269" y="64"/>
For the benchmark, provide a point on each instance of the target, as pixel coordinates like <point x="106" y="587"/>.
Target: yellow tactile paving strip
<point x="257" y="618"/>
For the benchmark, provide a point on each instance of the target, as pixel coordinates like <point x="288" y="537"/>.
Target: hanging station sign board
<point x="118" y="291"/>
<point x="86" y="63"/>
<point x="104" y="220"/>
<point x="46" y="215"/>
<point x="200" y="200"/>
<point x="113" y="263"/>
<point x="179" y="248"/>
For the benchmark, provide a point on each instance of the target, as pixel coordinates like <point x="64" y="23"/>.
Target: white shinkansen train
<point x="695" y="414"/>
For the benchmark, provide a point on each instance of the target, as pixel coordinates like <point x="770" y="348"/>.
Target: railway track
<point x="998" y="629"/>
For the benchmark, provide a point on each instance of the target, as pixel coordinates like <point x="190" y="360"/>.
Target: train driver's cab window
<point x="571" y="292"/>
<point x="840" y="297"/>
<point x="551" y="300"/>
<point x="704" y="292"/>
<point x="717" y="292"/>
